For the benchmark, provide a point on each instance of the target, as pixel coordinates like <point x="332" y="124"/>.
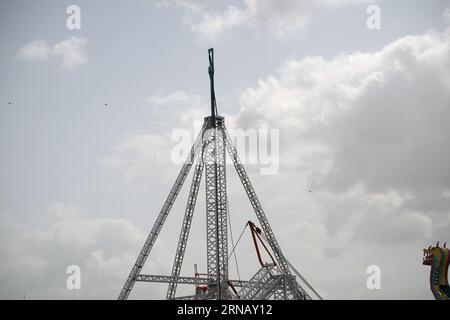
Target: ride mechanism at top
<point x="275" y="280"/>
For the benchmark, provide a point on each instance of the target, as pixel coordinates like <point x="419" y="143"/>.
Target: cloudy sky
<point x="87" y="117"/>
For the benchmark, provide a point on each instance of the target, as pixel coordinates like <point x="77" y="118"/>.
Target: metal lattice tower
<point x="277" y="280"/>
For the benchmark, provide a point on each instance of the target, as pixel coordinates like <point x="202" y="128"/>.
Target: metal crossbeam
<point x="184" y="280"/>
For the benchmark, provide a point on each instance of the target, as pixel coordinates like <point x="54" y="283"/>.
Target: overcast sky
<point x="363" y="118"/>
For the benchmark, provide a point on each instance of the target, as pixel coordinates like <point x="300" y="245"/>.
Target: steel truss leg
<point x="185" y="227"/>
<point x="216" y="209"/>
<point x="148" y="245"/>
<point x="295" y="288"/>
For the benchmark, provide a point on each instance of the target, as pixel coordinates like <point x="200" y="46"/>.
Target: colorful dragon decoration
<point x="438" y="258"/>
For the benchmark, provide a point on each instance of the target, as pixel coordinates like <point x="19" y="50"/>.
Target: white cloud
<point x="136" y="152"/>
<point x="191" y="5"/>
<point x="71" y="52"/>
<point x="65" y="211"/>
<point x="211" y="25"/>
<point x="446" y="15"/>
<point x="34" y="259"/>
<point x="280" y="18"/>
<point x="176" y="99"/>
<point x="35" y="51"/>
<point x="137" y="155"/>
<point x="180" y="108"/>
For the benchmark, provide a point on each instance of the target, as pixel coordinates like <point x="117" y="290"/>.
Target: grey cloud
<point x="368" y="133"/>
<point x="382" y="118"/>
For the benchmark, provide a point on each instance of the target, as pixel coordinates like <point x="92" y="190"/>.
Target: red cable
<point x="267" y="250"/>
<point x="254" y="230"/>
<point x="256" y="244"/>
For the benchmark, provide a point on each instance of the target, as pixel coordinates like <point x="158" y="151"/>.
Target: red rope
<point x="255" y="234"/>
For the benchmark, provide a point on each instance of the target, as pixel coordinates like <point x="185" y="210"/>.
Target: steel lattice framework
<point x="208" y="154"/>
